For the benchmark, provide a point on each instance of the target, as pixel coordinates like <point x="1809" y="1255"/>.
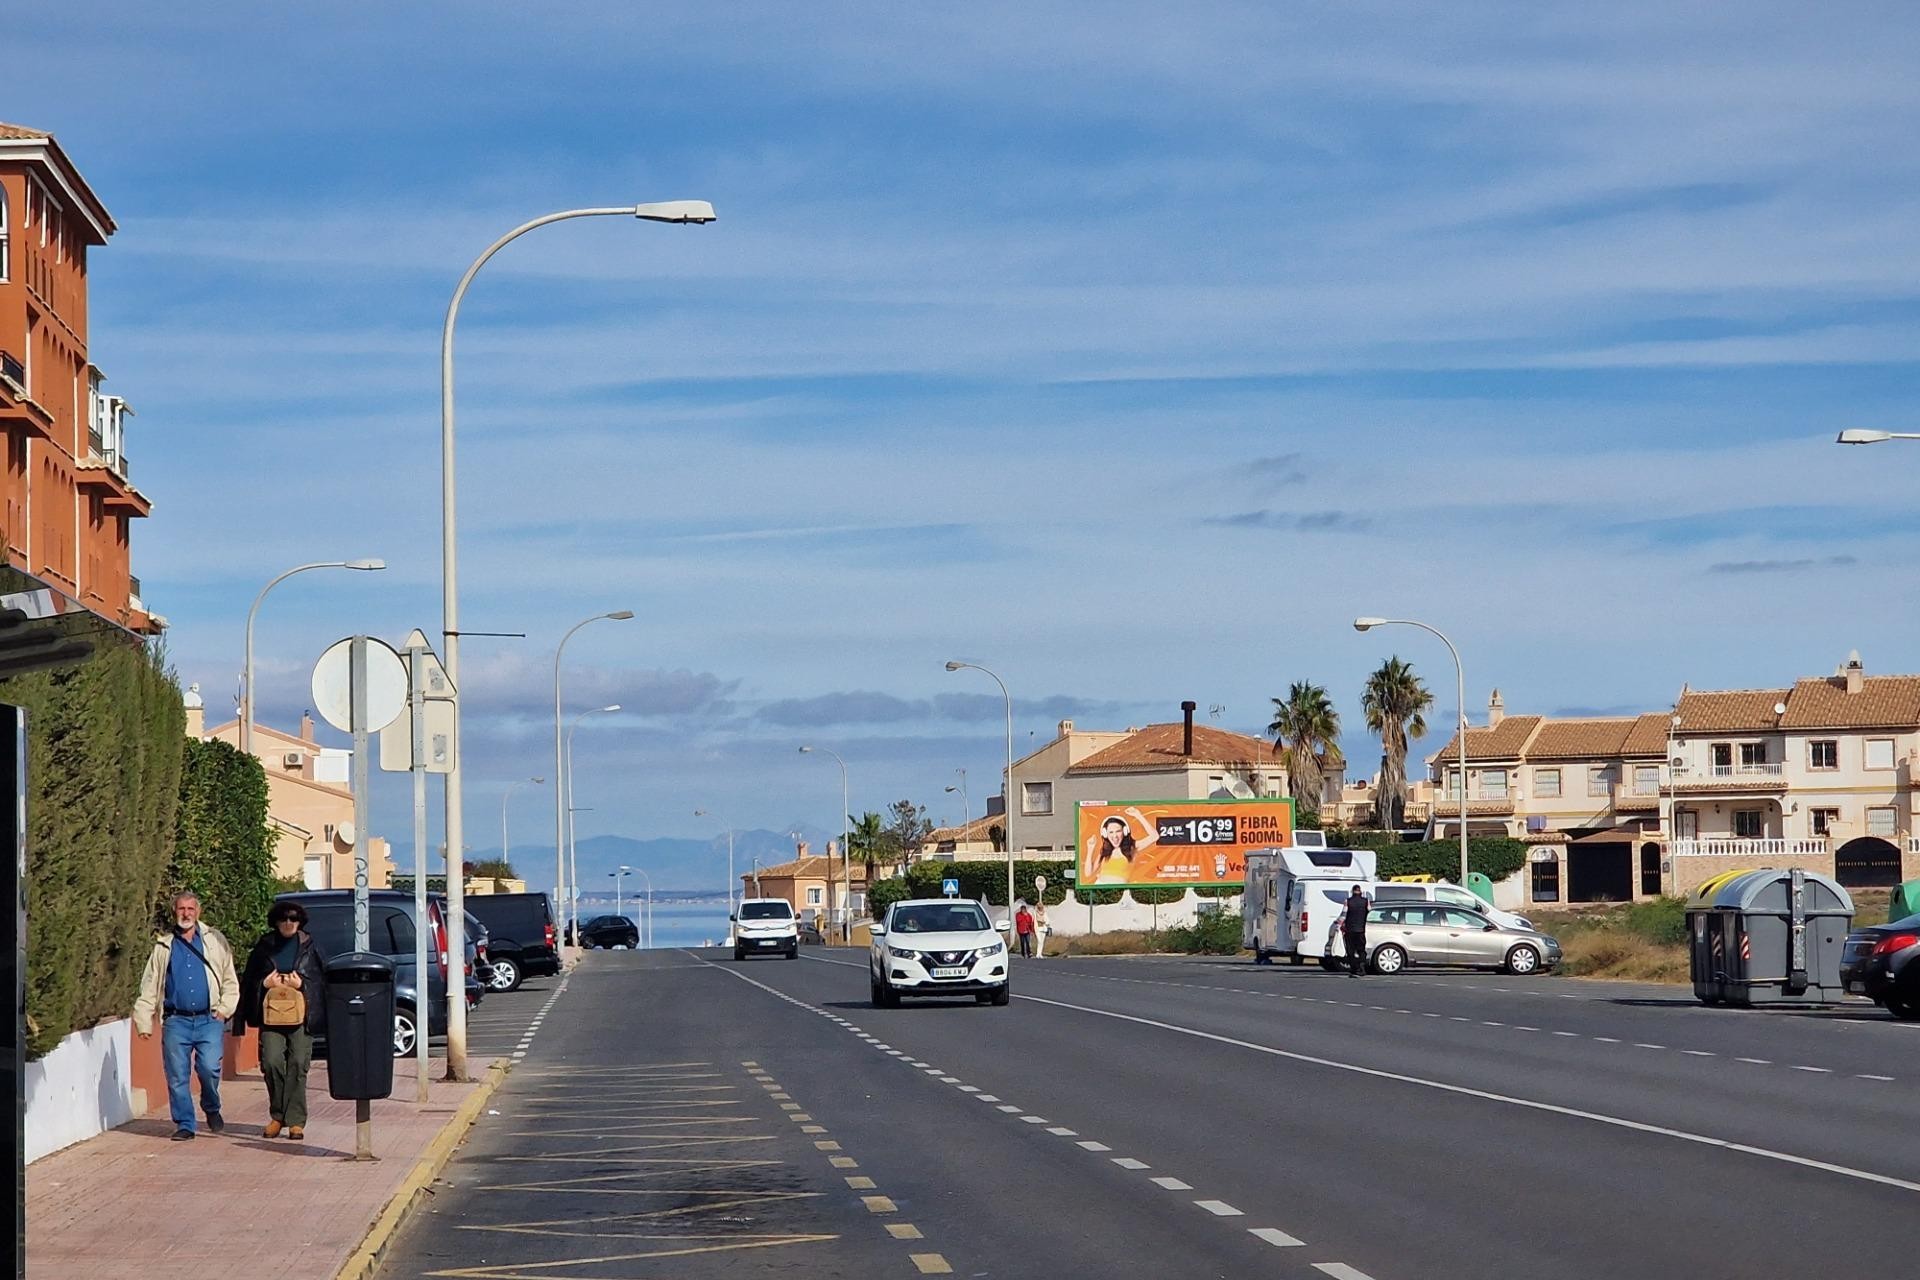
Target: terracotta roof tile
<point x="978" y="831"/>
<point x="1731" y="711"/>
<point x="1503" y="741"/>
<point x="1884" y="702"/>
<point x="1158" y="747"/>
<point x="20" y="131"/>
<point x="811" y="867"/>
<point x="1610" y="736"/>
<point x="1648" y="737"/>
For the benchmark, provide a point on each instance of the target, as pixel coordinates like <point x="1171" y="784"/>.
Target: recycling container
<point x="1904" y="902"/>
<point x="360" y="1026"/>
<point x="1768" y="937"/>
<point x="1480" y="886"/>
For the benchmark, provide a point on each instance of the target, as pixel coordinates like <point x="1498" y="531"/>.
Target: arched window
<point x="5" y="227"/>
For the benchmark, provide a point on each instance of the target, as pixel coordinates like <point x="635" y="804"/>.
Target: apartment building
<point x="1176" y="761"/>
<point x="68" y="498"/>
<point x="309" y="802"/>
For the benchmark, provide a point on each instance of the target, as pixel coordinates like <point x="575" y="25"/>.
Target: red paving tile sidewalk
<point x="133" y="1203"/>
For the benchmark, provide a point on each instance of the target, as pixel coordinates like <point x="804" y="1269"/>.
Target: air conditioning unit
<point x="293" y="759"/>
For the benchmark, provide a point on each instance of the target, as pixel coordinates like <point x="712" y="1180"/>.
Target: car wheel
<point x="1523" y="960"/>
<point x="1003" y="996"/>
<point x="1902" y="1008"/>
<point x="794" y="954"/>
<point x="404" y="1033"/>
<point x="739" y="954"/>
<point x="506" y="975"/>
<point x="873" y="991"/>
<point x="1259" y="956"/>
<point x="1298" y="959"/>
<point x="1389" y="959"/>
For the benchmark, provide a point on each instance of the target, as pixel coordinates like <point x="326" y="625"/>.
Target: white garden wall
<point x="84" y="1087"/>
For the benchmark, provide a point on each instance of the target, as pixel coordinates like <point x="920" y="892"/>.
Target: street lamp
<point x="1858" y="435"/>
<point x="1007" y="790"/>
<point x="846" y="810"/>
<point x="562" y="796"/>
<point x="619" y="903"/>
<point x="667" y="211"/>
<point x="646" y="938"/>
<point x="1460" y="678"/>
<point x="503" y="810"/>
<point x="966" y="806"/>
<point x="702" y="813"/>
<point x="573" y="859"/>
<point x="246" y="678"/>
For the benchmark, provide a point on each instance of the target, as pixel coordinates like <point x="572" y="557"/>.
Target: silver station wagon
<point x="1428" y="933"/>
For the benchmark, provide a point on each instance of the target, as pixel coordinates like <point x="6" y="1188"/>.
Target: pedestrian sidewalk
<point x="134" y="1203"/>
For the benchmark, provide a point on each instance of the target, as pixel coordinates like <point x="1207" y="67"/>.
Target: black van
<point x="390" y="932"/>
<point x="520" y="936"/>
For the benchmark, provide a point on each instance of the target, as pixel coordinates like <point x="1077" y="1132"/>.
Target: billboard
<point x="1168" y="843"/>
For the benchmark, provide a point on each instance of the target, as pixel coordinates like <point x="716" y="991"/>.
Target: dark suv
<point x="520" y="942"/>
<point x="390" y="932"/>
<point x="609" y="931"/>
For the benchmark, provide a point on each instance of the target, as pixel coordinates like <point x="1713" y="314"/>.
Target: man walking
<point x="190" y="980"/>
<point x="1353" y="931"/>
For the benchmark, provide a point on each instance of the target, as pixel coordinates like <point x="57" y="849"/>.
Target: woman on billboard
<point x="1109" y="853"/>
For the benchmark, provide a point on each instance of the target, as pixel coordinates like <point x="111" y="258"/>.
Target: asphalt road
<point x="681" y="1114"/>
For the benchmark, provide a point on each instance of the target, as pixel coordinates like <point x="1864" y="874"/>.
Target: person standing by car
<point x="1353" y="931"/>
<point x="283" y="993"/>
<point x="189" y="981"/>
<point x="1023" y="926"/>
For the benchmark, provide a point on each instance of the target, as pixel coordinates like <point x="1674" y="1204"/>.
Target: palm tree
<point x="1395" y="701"/>
<point x="867" y="841"/>
<point x="1305" y="727"/>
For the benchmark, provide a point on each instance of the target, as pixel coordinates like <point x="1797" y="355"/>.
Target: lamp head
<point x="955" y="666"/>
<point x="953" y="788"/>
<point x="805" y="750"/>
<point x="367" y="564"/>
<point x="537" y="781"/>
<point x="675" y="211"/>
<point x="1367" y="624"/>
<point x="699" y="813"/>
<point x="611" y="707"/>
<point x="1857" y="435"/>
<point x="619" y="615"/>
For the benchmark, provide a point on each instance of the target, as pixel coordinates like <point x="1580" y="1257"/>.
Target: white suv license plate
<point x="951" y="972"/>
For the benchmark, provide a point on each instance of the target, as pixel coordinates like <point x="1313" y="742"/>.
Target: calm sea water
<point x="684" y="924"/>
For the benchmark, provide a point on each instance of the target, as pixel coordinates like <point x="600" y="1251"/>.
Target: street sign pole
<point x="362" y="1109"/>
<point x="416" y="708"/>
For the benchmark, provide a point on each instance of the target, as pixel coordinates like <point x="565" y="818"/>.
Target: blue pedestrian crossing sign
<point x="950" y="887"/>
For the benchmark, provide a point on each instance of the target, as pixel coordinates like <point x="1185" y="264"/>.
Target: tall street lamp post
<point x="562" y="796"/>
<point x="668" y="211"/>
<point x="703" y="813"/>
<point x="619" y="903"/>
<point x="572" y="909"/>
<point x="503" y="810"/>
<point x="966" y="805"/>
<point x="246" y="675"/>
<point x="1006" y="791"/>
<point x="1460" y="685"/>
<point x="846" y="818"/>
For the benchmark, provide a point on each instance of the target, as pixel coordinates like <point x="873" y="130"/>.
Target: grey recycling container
<point x="360" y="1026"/>
<point x="1768" y="937"/>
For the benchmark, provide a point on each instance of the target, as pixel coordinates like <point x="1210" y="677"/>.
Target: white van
<point x="1294" y="897"/>
<point x="762" y="925"/>
<point x="1446" y="895"/>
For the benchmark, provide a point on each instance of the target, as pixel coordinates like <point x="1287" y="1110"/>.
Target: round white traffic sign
<point x="386" y="685"/>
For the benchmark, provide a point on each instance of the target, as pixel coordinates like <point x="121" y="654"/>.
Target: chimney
<point x="1856" y="673"/>
<point x="1187" y="709"/>
<point x="196" y="713"/>
<point x="800" y="849"/>
<point x="306" y="726"/>
<point x="1496" y="710"/>
<point x="1066" y="728"/>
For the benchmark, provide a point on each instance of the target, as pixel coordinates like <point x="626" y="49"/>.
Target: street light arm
<point x="246" y="690"/>
<point x="1460" y="686"/>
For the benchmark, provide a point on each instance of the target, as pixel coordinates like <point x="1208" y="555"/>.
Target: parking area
<point x="496" y="1028"/>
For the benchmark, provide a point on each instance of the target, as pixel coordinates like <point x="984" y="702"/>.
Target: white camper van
<point x="1294" y="898"/>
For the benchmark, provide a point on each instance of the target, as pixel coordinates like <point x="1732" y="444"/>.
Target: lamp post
<point x="646" y="937"/>
<point x="619" y="903"/>
<point x="668" y="211"/>
<point x="1460" y="684"/>
<point x="573" y="858"/>
<point x="1007" y="790"/>
<point x="562" y="795"/>
<point x="846" y="818"/>
<point x="503" y="810"/>
<point x="966" y="806"/>
<point x="703" y="813"/>
<point x="246" y="676"/>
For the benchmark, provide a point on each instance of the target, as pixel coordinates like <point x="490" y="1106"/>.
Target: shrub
<point x="882" y="894"/>
<point x="1148" y="897"/>
<point x="987" y="881"/>
<point x="223" y="847"/>
<point x="1663" y="920"/>
<point x="1214" y="933"/>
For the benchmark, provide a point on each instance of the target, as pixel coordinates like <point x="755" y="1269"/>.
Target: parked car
<point x="521" y="938"/>
<point x="610" y="931"/>
<point x="937" y="947"/>
<point x="765" y="925"/>
<point x="1882" y="962"/>
<point x="390" y="933"/>
<point x="1420" y="933"/>
<point x="1443" y="894"/>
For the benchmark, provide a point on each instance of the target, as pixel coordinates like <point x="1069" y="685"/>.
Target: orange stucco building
<point x="68" y="498"/>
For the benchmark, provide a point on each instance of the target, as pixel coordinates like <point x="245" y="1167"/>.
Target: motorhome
<point x="1293" y="899"/>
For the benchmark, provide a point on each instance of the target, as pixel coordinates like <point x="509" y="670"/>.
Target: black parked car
<point x="1882" y="962"/>
<point x="390" y="932"/>
<point x="521" y="939"/>
<point x="609" y="931"/>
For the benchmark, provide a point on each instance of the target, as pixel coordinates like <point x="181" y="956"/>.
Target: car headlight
<point x="992" y="949"/>
<point x="901" y="953"/>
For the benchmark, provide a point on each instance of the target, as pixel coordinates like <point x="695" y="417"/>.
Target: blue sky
<point x="1130" y="354"/>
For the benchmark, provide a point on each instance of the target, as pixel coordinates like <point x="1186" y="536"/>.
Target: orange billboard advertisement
<point x="1167" y="843"/>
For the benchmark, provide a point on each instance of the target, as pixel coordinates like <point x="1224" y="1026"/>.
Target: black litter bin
<point x="360" y="1026"/>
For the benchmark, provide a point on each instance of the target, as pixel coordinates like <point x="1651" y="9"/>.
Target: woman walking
<point x="283" y="992"/>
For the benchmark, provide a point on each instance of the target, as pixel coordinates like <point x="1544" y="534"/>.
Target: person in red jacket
<point x="1023" y="926"/>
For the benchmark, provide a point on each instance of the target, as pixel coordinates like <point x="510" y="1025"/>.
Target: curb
<point x="361" y="1262"/>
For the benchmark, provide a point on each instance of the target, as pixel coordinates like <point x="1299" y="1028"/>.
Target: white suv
<point x="937" y="947"/>
<point x="762" y="925"/>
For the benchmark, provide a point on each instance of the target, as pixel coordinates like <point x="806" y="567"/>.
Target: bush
<point x="1663" y="920"/>
<point x="1148" y="897"/>
<point x="987" y="881"/>
<point x="1495" y="857"/>
<point x="1215" y="933"/>
<point x="223" y="847"/>
<point x="882" y="894"/>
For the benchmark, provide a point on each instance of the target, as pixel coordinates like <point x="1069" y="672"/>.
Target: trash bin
<point x="1480" y="886"/>
<point x="360" y="1026"/>
<point x="1768" y="937"/>
<point x="1904" y="902"/>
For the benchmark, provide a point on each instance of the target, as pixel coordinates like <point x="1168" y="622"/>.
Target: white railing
<point x="1758" y="769"/>
<point x="1741" y="848"/>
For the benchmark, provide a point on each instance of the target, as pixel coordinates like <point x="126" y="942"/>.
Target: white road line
<point x="1867" y="1077"/>
<point x="1033" y="1120"/>
<point x="1171" y="1184"/>
<point x="1276" y="1237"/>
<point x="1758" y="1062"/>
<point x="1486" y="1095"/>
<point x="1825" y="1071"/>
<point x="1006" y="1106"/>
<point x="1094" y="1146"/>
<point x="1699" y="1053"/>
<point x="1606" y="1040"/>
<point x="1340" y="1271"/>
<point x="1220" y="1208"/>
<point x="1061" y="1131"/>
<point x="986" y="1097"/>
<point x="1128" y="1162"/>
<point x="1649" y="1046"/>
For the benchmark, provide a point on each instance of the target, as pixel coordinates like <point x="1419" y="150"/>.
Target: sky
<point x="1130" y="352"/>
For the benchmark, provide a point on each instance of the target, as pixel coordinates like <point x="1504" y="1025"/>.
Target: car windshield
<point x="958" y="917"/>
<point x="765" y="911"/>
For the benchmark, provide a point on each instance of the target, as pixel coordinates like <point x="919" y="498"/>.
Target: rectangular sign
<point x="1167" y="843"/>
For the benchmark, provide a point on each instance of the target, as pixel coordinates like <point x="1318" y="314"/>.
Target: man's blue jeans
<point x="192" y="1042"/>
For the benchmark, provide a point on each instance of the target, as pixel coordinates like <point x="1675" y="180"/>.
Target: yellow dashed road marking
<point x="860" y="1183"/>
<point x="904" y="1231"/>
<point x="843" y="1162"/>
<point x="931" y="1264"/>
<point x="826" y="1146"/>
<point x="879" y="1204"/>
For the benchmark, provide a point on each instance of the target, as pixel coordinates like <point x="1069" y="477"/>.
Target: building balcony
<point x="1765" y="778"/>
<point x="1487" y="808"/>
<point x="111" y="477"/>
<point x="1737" y="847"/>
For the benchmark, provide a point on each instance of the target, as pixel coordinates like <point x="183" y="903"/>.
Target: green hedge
<point x="882" y="894"/>
<point x="104" y="748"/>
<point x="1216" y="933"/>
<point x="223" y="847"/>
<point x="988" y="880"/>
<point x="1495" y="857"/>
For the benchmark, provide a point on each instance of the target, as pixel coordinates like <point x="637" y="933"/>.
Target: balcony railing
<point x="1737" y="847"/>
<point x="1749" y="769"/>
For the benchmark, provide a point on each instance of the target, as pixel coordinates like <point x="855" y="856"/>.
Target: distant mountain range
<point x="677" y="867"/>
